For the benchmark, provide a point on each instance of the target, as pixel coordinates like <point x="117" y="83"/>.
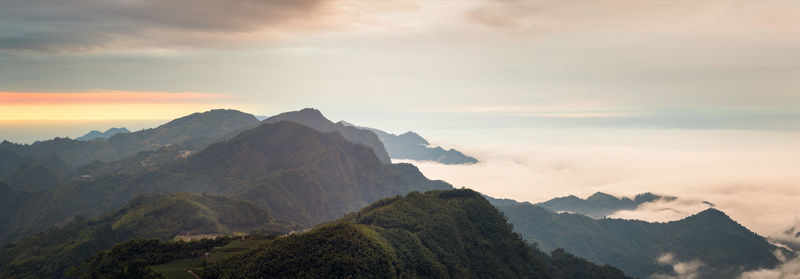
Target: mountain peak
<point x="598" y="205"/>
<point x="214" y="114"/>
<point x="601" y="196"/>
<point x="311" y="111"/>
<point x="94" y="134"/>
<point x="711" y="213"/>
<point x="414" y="137"/>
<point x="313" y="118"/>
<point x="419" y="235"/>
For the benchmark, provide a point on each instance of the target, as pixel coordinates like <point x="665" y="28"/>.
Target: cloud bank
<point x="683" y="270"/>
<point x="749" y="175"/>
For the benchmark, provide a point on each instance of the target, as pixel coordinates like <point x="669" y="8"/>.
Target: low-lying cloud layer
<point x="787" y="270"/>
<point x="749" y="175"/>
<point x="683" y="270"/>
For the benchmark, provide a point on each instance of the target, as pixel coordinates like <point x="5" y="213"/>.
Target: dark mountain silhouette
<point x="406" y="146"/>
<point x="50" y="253"/>
<point x="599" y="204"/>
<point x="140" y="162"/>
<point x="313" y="118"/>
<point x="95" y="134"/>
<point x="32" y="178"/>
<point x="412" y="146"/>
<point x="197" y="131"/>
<point x="296" y="173"/>
<point x="724" y="247"/>
<point x="439" y="234"/>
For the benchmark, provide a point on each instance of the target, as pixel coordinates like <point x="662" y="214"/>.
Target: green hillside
<point x="50" y="253"/>
<point x="296" y="173"/>
<point x="723" y="246"/>
<point x="439" y="234"/>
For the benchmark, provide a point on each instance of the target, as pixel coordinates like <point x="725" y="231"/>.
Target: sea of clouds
<point x="750" y="175"/>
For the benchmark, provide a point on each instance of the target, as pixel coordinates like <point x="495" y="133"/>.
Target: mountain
<point x="412" y="146"/>
<point x="137" y="163"/>
<point x="196" y="130"/>
<point x="12" y="201"/>
<point x="599" y="205"/>
<point x="406" y="146"/>
<point x="439" y="234"/>
<point x="723" y="247"/>
<point x="313" y="118"/>
<point x="95" y="134"/>
<point x="303" y="175"/>
<point x="296" y="173"/>
<point x="50" y="253"/>
<point x="32" y="178"/>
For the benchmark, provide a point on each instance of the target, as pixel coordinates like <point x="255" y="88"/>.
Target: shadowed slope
<point x="314" y="119"/>
<point x="723" y="246"/>
<point x="439" y="234"/>
<point x="296" y="173"/>
<point x="50" y="253"/>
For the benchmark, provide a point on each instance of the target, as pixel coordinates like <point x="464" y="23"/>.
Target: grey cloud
<point x="49" y="25"/>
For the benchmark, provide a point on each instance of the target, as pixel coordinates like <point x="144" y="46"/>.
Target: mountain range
<point x="723" y="247"/>
<point x="63" y="155"/>
<point x="410" y="145"/>
<point x="223" y="172"/>
<point x="294" y="172"/>
<point x="313" y="118"/>
<point x="406" y="146"/>
<point x="51" y="253"/>
<point x="95" y="134"/>
<point x="438" y="234"/>
<point x="599" y="204"/>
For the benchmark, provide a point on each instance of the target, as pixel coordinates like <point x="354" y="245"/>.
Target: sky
<point x="496" y="58"/>
<point x="697" y="99"/>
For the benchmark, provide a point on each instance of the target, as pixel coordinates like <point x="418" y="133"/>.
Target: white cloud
<point x="683" y="270"/>
<point x="749" y="175"/>
<point x="787" y="270"/>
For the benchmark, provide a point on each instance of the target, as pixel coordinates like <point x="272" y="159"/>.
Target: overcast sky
<point x="575" y="59"/>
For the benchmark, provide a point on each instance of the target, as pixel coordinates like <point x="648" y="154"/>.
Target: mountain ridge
<point x="635" y="246"/>
<point x="295" y="172"/>
<point x="95" y="134"/>
<point x="599" y="204"/>
<point x="412" y="146"/>
<point x="313" y="118"/>
<point x="197" y="129"/>
<point x="437" y="234"/>
<point x="162" y="216"/>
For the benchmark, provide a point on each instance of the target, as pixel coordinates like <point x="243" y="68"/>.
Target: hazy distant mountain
<point x="197" y="130"/>
<point x="137" y="163"/>
<point x="52" y="252"/>
<point x="412" y="146"/>
<point x="724" y="247"/>
<point x="599" y="204"/>
<point x="95" y="134"/>
<point x="439" y="234"/>
<point x="386" y="146"/>
<point x="32" y="178"/>
<point x="313" y="118"/>
<point x="296" y="173"/>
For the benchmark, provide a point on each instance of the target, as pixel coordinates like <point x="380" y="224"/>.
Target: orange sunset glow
<point x="104" y="104"/>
